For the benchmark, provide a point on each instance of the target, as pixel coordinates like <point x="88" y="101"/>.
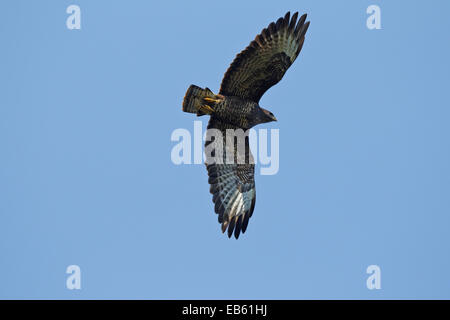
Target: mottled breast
<point x="236" y="111"/>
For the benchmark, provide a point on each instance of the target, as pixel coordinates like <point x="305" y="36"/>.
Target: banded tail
<point x="200" y="101"/>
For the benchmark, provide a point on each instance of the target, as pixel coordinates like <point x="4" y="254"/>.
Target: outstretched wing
<point x="265" y="61"/>
<point x="232" y="184"/>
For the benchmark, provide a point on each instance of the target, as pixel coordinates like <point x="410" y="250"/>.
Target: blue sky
<point x="86" y="177"/>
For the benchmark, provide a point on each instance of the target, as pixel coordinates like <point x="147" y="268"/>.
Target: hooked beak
<point x="269" y="114"/>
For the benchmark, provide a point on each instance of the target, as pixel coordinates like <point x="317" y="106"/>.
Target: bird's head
<point x="267" y="116"/>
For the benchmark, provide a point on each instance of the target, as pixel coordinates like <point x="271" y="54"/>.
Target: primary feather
<point x="265" y="61"/>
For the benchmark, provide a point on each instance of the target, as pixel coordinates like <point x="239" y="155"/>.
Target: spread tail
<point x="199" y="101"/>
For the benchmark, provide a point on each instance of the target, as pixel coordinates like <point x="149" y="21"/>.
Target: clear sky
<point x="86" y="176"/>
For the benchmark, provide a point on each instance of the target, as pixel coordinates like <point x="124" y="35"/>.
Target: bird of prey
<point x="257" y="68"/>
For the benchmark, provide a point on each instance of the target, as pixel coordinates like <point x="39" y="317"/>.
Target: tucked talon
<point x="207" y="99"/>
<point x="206" y="109"/>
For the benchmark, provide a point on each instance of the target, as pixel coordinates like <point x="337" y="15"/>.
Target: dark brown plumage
<point x="264" y="62"/>
<point x="257" y="68"/>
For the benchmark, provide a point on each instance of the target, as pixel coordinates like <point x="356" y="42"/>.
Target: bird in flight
<point x="257" y="68"/>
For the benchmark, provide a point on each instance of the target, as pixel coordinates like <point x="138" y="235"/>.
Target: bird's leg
<point x="211" y="100"/>
<point x="217" y="98"/>
<point x="205" y="109"/>
<point x="209" y="103"/>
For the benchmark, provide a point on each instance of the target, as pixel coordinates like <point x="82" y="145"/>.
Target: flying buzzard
<point x="257" y="68"/>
